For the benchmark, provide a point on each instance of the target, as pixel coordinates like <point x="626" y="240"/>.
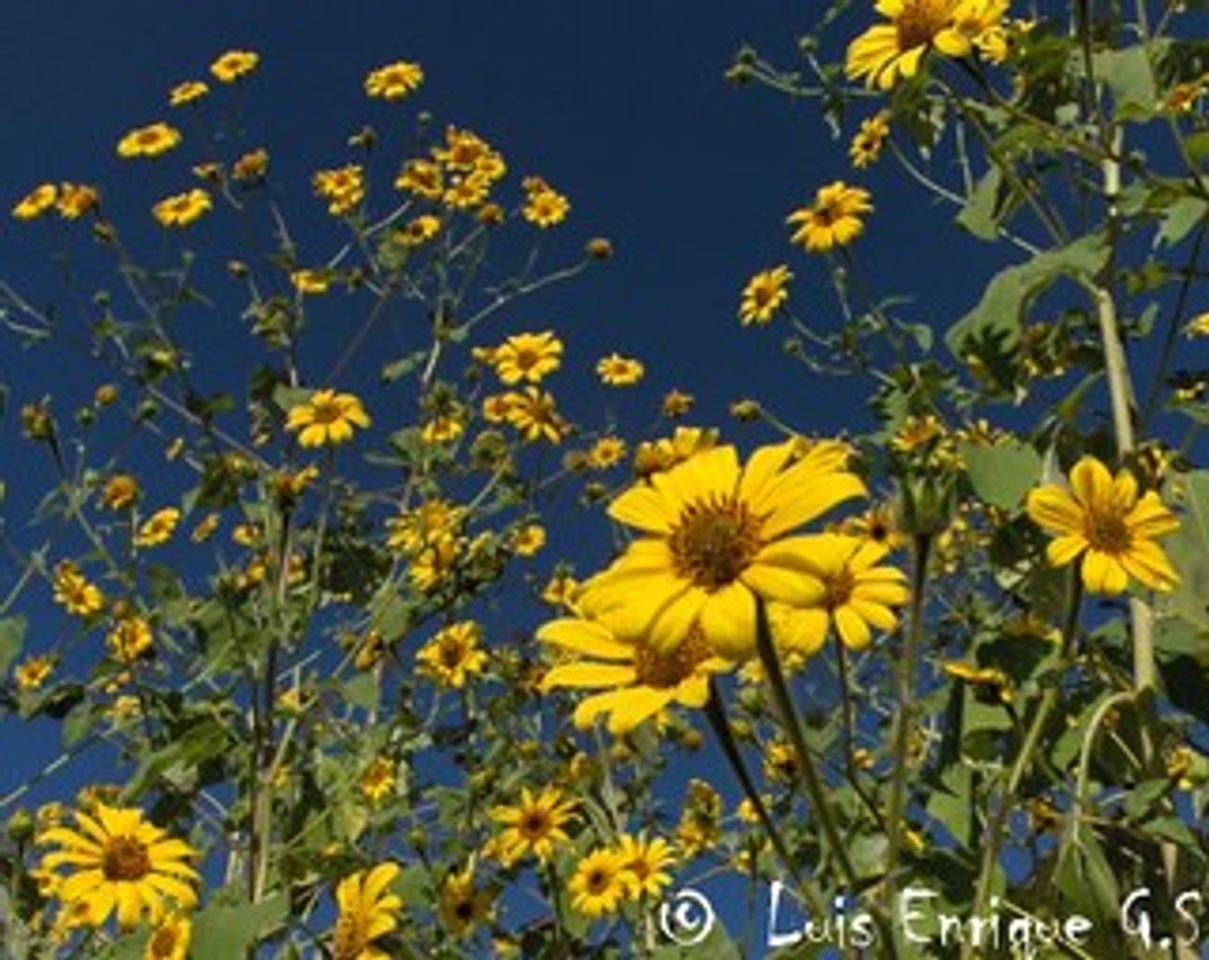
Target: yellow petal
<point x="1063" y="550"/>
<point x="1103" y="574"/>
<point x="851" y="628"/>
<point x="1146" y="562"/>
<point x="586" y="637"/>
<point x="588" y="676"/>
<point x="645" y="508"/>
<point x="1055" y="510"/>
<point x="1092" y="483"/>
<point x="728" y="620"/>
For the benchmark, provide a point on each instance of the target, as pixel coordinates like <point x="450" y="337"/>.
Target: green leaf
<point x="999" y="314"/>
<point x="362" y="691"/>
<point x="223" y="933"/>
<point x="979" y="215"/>
<point x="1002" y="474"/>
<point x="1181" y="217"/>
<point x="1188" y="549"/>
<point x="1130" y="77"/>
<point x="12" y="638"/>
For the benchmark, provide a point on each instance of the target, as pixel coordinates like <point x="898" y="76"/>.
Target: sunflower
<point x="234" y="64"/>
<point x="527" y="356"/>
<point x="121" y="862"/>
<point x="395" y="80"/>
<point x="535" y="825"/>
<point x="182" y="209"/>
<point x="149" y="141"/>
<point x="378" y="780"/>
<point x="635" y="681"/>
<point x="545" y="206"/>
<point x="74" y="592"/>
<point x="462" y="904"/>
<point x="858" y="594"/>
<point x="327" y="417"/>
<point x="453" y="655"/>
<point x="833" y="220"/>
<point x="764" y="295"/>
<point x="618" y="371"/>
<point x="646" y="864"/>
<point x="1104" y="521"/>
<point x="887" y="51"/>
<point x="170" y="939"/>
<point x="36" y="202"/>
<point x="158" y="528"/>
<point x="534" y="413"/>
<point x="715" y="540"/>
<point x="367" y="913"/>
<point x="188" y="92"/>
<point x="599" y="883"/>
<point x="867" y="144"/>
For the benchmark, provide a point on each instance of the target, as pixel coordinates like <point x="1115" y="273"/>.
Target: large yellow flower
<point x="715" y="540"/>
<point x="527" y="356"/>
<point x="636" y="681"/>
<point x="1104" y="521"/>
<point x="121" y="863"/>
<point x="887" y="51"/>
<point x="327" y="418"/>
<point x="835" y="218"/>
<point x="859" y="595"/>
<point x="367" y="913"/>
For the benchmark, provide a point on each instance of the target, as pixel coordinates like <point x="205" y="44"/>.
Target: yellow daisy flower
<point x="599" y="883"/>
<point x="535" y="414"/>
<point x="327" y="418"/>
<point x="618" y="371"/>
<point x="1104" y="521"/>
<point x="74" y="592"/>
<point x="764" y="295"/>
<point x="453" y="655"/>
<point x="36" y="202"/>
<point x="342" y="187"/>
<point x="170" y="939"/>
<point x="182" y="209"/>
<point x="461" y="905"/>
<point x="636" y="681"/>
<point x="535" y="825"/>
<point x="714" y="538"/>
<point x="835" y="218"/>
<point x="233" y="65"/>
<point x="544" y="207"/>
<point x="76" y="199"/>
<point x="378" y="780"/>
<point x="33" y="672"/>
<point x="188" y="92"/>
<point x="527" y="356"/>
<point x="120" y="862"/>
<point x="158" y="528"/>
<point x="129" y="639"/>
<point x="867" y="144"/>
<point x="395" y="80"/>
<point x="367" y="913"/>
<point x="120" y="491"/>
<point x="149" y="141"/>
<point x="421" y="177"/>
<point x="646" y="865"/>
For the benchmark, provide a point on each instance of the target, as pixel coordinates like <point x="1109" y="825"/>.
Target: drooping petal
<point x="728" y="620"/>
<point x="796" y="504"/>
<point x="851" y="628"/>
<point x="588" y="676"/>
<point x="641" y="704"/>
<point x="642" y="506"/>
<point x="1146" y="562"/>
<point x="586" y="637"/>
<point x="1103" y="573"/>
<point x="1063" y="550"/>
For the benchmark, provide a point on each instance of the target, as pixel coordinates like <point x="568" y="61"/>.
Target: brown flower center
<point x="920" y="22"/>
<point x="714" y="541"/>
<point x="1108" y="533"/>
<point x="669" y="669"/>
<point x="326" y="411"/>
<point x="598" y="881"/>
<point x="125" y="858"/>
<point x="839" y="588"/>
<point x="163" y="943"/>
<point x="535" y="825"/>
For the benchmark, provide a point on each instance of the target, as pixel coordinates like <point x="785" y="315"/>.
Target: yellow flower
<point x="158" y="528"/>
<point x="859" y="594"/>
<point x="529" y="539"/>
<point x="637" y="681"/>
<point x="37" y="202"/>
<point x="833" y="220"/>
<point x="1198" y="326"/>
<point x="618" y="371"/>
<point x="877" y="525"/>
<point x="462" y="905"/>
<point x="252" y="165"/>
<point x="465" y="151"/>
<point x="129" y="639"/>
<point x="764" y="295"/>
<point x="170" y="939"/>
<point x="421" y="177"/>
<point x="444" y="427"/>
<point x="120" y="862"/>
<point x="1104" y="521"/>
<point x="535" y="825"/>
<point x="149" y="141"/>
<point x="418" y="231"/>
<point x="182" y="209"/>
<point x="75" y="593"/>
<point x="887" y="51"/>
<point x="916" y="432"/>
<point x="714" y="539"/>
<point x="867" y="144"/>
<point x="560" y="591"/>
<point x="76" y="199"/>
<point x="33" y="672"/>
<point x="233" y="65"/>
<point x="606" y="452"/>
<point x="544" y="206"/>
<point x="663" y="454"/>
<point x="527" y="356"/>
<point x="188" y="92"/>
<point x="536" y="416"/>
<point x="367" y="913"/>
<point x="434" y="521"/>
<point x="327" y="418"/>
<point x="120" y="491"/>
<point x="310" y="282"/>
<point x="646" y="864"/>
<point x="453" y="655"/>
<point x="205" y="528"/>
<point x="991" y="683"/>
<point x="599" y="883"/>
<point x="676" y="403"/>
<point x="394" y="81"/>
<point x="465" y="193"/>
<point x="379" y="779"/>
<point x="342" y="187"/>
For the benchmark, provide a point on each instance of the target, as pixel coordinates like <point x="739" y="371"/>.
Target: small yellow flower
<point x="560" y="591"/>
<point x="327" y="418"/>
<point x="129" y="639"/>
<point x="870" y="138"/>
<point x="37" y="202"/>
<point x="764" y="295"/>
<point x="120" y="491"/>
<point x="529" y="540"/>
<point x="606" y="452"/>
<point x="534" y="825"/>
<point x="158" y="528"/>
<point x="599" y="884"/>
<point x="205" y="529"/>
<point x="343" y="188"/>
<point x="310" y="282"/>
<point x="188" y="92"/>
<point x="618" y="371"/>
<point x="367" y="913"/>
<point x="530" y="357"/>
<point x="1103" y="520"/>
<point x="233" y="65"/>
<point x="462" y="905"/>
<point x="183" y="208"/>
<point x="916" y="433"/>
<point x="74" y="592"/>
<point x="379" y="779"/>
<point x="676" y="403"/>
<point x="33" y="672"/>
<point x="535" y="415"/>
<point x="170" y="939"/>
<point x="544" y="206"/>
<point x="418" y="231"/>
<point x="149" y="141"/>
<point x="252" y="165"/>
<point x="466" y="192"/>
<point x="835" y="218"/>
<point x="1198" y="326"/>
<point x="394" y="81"/>
<point x="76" y="199"/>
<point x="423" y="178"/>
<point x="453" y="655"/>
